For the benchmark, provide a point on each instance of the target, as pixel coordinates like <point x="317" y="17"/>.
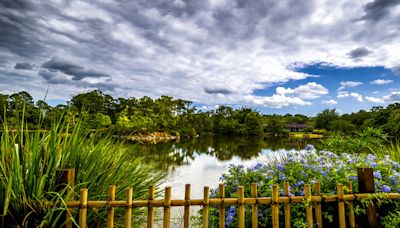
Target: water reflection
<point x="171" y="155"/>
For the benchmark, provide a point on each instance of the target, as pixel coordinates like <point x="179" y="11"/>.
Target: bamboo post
<point x="241" y="206"/>
<point x="366" y="185"/>
<point x="150" y="209"/>
<point x="352" y="222"/>
<point x="318" y="207"/>
<point x="286" y="189"/>
<point x="254" y="208"/>
<point x="222" y="207"/>
<point x="167" y="207"/>
<point x="67" y="177"/>
<point x="275" y="206"/>
<point x="186" y="215"/>
<point x="83" y="208"/>
<point x="206" y="202"/>
<point x="110" y="213"/>
<point x="341" y="212"/>
<point x="309" y="215"/>
<point x="128" y="209"/>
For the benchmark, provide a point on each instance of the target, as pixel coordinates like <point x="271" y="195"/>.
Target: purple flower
<point x="385" y="188"/>
<point x="230" y="215"/>
<point x="378" y="175"/>
<point x="310" y="147"/>
<point x="354" y="178"/>
<point x="299" y="183"/>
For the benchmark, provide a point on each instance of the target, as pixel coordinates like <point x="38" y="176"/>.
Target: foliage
<point x="392" y="150"/>
<point x="29" y="164"/>
<point x="129" y="115"/>
<point x="307" y="166"/>
<point x="365" y="141"/>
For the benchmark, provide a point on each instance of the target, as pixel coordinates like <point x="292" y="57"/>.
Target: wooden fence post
<point x="286" y="188"/>
<point x="206" y="201"/>
<point x="110" y="213"/>
<point x="167" y="207"/>
<point x="318" y="207"/>
<point x="67" y="177"/>
<point x="254" y="208"/>
<point x="366" y="185"/>
<point x="275" y="206"/>
<point x="241" y="221"/>
<point x="309" y="215"/>
<point x="150" y="209"/>
<point x="222" y="207"/>
<point x="83" y="208"/>
<point x="186" y="216"/>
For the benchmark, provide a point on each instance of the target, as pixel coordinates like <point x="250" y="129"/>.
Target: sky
<point x="285" y="56"/>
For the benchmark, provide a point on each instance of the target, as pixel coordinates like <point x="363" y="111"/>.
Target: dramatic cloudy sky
<point x="283" y="56"/>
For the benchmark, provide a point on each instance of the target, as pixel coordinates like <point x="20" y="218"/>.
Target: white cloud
<point x="343" y="94"/>
<point x="375" y="100"/>
<point x="392" y="97"/>
<point x="311" y="90"/>
<point x="348" y="84"/>
<point x="329" y="102"/>
<point x="381" y="82"/>
<point x="357" y="96"/>
<point x="275" y="101"/>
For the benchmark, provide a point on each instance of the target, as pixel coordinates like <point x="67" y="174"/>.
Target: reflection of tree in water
<point x="173" y="154"/>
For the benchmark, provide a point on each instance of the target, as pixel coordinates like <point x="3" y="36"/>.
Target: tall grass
<point x="392" y="150"/>
<point x="29" y="161"/>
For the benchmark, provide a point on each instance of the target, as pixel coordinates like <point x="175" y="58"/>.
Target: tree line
<point x="177" y="116"/>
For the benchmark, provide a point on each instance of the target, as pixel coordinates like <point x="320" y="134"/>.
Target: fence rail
<point x="312" y="207"/>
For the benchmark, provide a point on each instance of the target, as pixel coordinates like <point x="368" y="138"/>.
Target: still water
<point x="201" y="161"/>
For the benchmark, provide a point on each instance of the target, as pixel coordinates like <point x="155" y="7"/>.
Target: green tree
<point x="324" y="119"/>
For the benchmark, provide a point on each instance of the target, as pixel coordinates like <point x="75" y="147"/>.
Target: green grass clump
<point x="29" y="161"/>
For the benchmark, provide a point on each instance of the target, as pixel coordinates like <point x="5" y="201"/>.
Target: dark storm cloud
<point x="23" y="66"/>
<point x="17" y="30"/>
<point x="378" y="9"/>
<point x="218" y="91"/>
<point x="359" y="53"/>
<point x="77" y="72"/>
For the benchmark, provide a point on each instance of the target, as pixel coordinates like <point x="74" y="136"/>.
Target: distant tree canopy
<point x="130" y="115"/>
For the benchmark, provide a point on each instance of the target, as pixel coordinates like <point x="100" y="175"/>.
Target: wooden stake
<point x="167" y="207"/>
<point x="186" y="215"/>
<point x="110" y="213"/>
<point x="206" y="201"/>
<point x="83" y="209"/>
<point x="275" y="206"/>
<point x="318" y="207"/>
<point x="309" y="215"/>
<point x="128" y="209"/>
<point x="241" y="206"/>
<point x="366" y="185"/>
<point x="286" y="189"/>
<point x="222" y="207"/>
<point x="150" y="209"/>
<point x="352" y="221"/>
<point x="67" y="177"/>
<point x="254" y="208"/>
<point x="342" y="218"/>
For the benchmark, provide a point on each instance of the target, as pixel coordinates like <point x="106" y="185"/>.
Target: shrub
<point x="302" y="167"/>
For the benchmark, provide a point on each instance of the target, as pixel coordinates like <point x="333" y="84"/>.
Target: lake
<point x="201" y="161"/>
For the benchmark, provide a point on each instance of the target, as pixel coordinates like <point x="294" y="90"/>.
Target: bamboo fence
<point x="313" y="205"/>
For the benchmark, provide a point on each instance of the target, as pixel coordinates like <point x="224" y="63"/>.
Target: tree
<point x="324" y="119"/>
